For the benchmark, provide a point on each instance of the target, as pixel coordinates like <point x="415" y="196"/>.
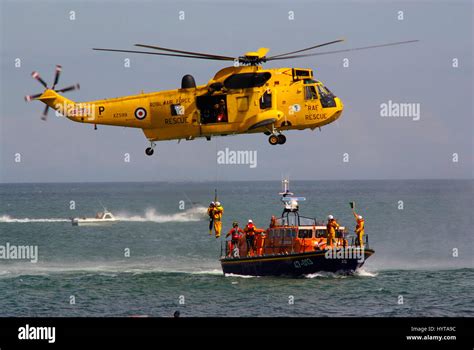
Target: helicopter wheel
<point x="281" y="139"/>
<point x="273" y="139"/>
<point x="149" y="151"/>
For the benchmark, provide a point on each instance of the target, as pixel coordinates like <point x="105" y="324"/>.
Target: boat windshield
<point x="292" y="220"/>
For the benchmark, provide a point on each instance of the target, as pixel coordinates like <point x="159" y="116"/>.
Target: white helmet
<point x="360" y="217"/>
<point x="218" y="203"/>
<point x="250" y="221"/>
<point x="330" y="217"/>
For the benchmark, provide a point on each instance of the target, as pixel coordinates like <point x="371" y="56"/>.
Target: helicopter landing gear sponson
<point x="150" y="150"/>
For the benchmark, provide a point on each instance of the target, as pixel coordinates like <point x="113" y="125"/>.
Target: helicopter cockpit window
<point x="327" y="97"/>
<point x="310" y="93"/>
<point x="266" y="101"/>
<point x="246" y="80"/>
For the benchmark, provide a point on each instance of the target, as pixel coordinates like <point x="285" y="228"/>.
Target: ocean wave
<point x="110" y="269"/>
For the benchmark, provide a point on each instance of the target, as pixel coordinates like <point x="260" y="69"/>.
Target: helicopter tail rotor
<point x="57" y="74"/>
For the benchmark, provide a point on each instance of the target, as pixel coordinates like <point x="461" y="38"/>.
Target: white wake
<point x="9" y="219"/>
<point x="151" y="215"/>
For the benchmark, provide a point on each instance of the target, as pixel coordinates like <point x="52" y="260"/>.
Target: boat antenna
<point x="105" y="209"/>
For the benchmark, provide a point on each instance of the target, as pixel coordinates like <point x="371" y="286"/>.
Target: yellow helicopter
<point x="240" y="99"/>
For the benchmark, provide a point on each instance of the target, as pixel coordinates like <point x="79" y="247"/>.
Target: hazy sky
<point x="41" y="34"/>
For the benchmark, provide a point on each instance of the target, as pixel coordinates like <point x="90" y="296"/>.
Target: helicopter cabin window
<point x="310" y="93"/>
<point x="213" y="109"/>
<point x="266" y="101"/>
<point x="246" y="80"/>
<point x="305" y="233"/>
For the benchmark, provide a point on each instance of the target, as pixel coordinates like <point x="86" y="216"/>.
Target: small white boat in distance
<point x="102" y="217"/>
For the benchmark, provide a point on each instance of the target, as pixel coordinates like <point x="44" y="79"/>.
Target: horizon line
<point x="228" y="181"/>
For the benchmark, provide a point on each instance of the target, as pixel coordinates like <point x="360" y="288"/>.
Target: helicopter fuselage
<point x="238" y="100"/>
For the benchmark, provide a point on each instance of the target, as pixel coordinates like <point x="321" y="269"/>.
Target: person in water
<point x="359" y="229"/>
<point x="331" y="227"/>
<point x="236" y="233"/>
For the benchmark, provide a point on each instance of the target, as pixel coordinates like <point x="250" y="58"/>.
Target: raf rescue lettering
<point x="180" y="100"/>
<point x="315" y="116"/>
<point x="176" y="120"/>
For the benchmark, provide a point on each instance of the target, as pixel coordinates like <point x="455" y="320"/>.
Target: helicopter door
<point x="213" y="109"/>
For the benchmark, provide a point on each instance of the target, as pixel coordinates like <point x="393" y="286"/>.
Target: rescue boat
<point x="294" y="245"/>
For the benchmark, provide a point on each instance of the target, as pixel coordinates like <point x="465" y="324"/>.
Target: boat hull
<point x="296" y="264"/>
<point x="91" y="222"/>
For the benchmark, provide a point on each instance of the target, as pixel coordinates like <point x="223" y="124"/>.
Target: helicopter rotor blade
<point x="185" y="52"/>
<point x="167" y="54"/>
<point x="28" y="98"/>
<point x="70" y="88"/>
<point x="36" y="76"/>
<point x="307" y="49"/>
<point x="56" y="76"/>
<point x="45" y="113"/>
<point x="339" y="51"/>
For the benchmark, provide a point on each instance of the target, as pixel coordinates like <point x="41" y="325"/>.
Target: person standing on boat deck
<point x="331" y="227"/>
<point x="359" y="229"/>
<point x="217" y="217"/>
<point x="259" y="241"/>
<point x="250" y="231"/>
<point x="210" y="212"/>
<point x="235" y="232"/>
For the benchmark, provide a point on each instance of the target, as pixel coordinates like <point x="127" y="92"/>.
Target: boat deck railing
<point x="285" y="249"/>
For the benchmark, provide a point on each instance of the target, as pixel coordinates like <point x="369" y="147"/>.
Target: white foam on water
<point x="9" y="219"/>
<point x="364" y="273"/>
<point x="240" y="276"/>
<point x="324" y="274"/>
<point x="151" y="215"/>
<point x="207" y="272"/>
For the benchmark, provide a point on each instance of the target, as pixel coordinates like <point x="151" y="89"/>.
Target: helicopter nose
<point x="339" y="104"/>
